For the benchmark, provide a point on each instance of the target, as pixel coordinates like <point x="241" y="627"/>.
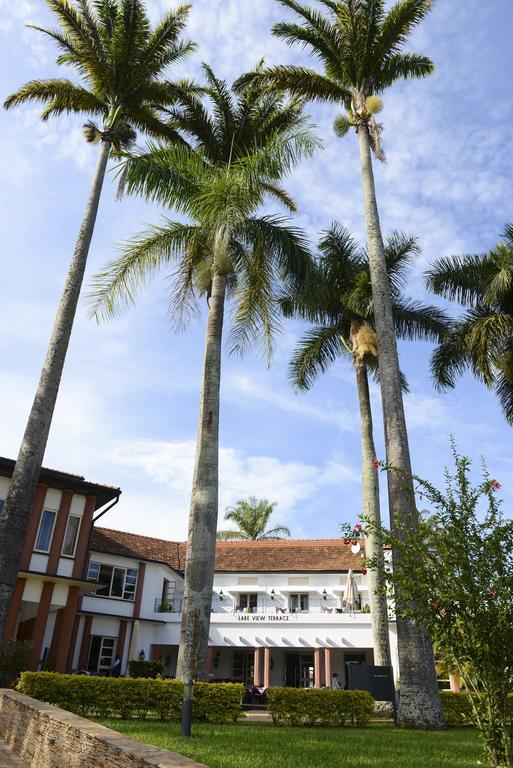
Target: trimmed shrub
<point x="132" y="697"/>
<point x="15" y="655"/>
<point x="316" y="706"/>
<point x="137" y="668"/>
<point x="457" y="708"/>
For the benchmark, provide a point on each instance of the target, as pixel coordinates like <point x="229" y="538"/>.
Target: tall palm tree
<point x="482" y="339"/>
<point x="251" y="518"/>
<point x="340" y="303"/>
<point x="359" y="44"/>
<point x="121" y="62"/>
<point x="241" y="149"/>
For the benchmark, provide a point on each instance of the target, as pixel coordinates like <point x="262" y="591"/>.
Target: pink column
<point x="257" y="670"/>
<point x="317" y="667"/>
<point x="327" y="667"/>
<point x="267" y="668"/>
<point x="210" y="660"/>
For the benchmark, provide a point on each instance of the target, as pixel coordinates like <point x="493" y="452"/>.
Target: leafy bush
<point x="132" y="697"/>
<point x="315" y="706"/>
<point x="457" y="708"/>
<point x="15" y="655"/>
<point x="137" y="668"/>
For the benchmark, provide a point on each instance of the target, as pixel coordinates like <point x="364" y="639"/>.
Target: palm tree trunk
<point x="13" y="523"/>
<point x="201" y="541"/>
<point x="371" y="512"/>
<point x="419" y="703"/>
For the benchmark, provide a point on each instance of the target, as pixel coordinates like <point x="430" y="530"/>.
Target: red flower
<point x="377" y="464"/>
<point x="346" y="541"/>
<point x="354" y="542"/>
<point x="496" y="486"/>
<point x="364" y="571"/>
<point x="434" y="605"/>
<point x="358" y="527"/>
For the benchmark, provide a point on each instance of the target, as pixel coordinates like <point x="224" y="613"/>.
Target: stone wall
<point x="47" y="737"/>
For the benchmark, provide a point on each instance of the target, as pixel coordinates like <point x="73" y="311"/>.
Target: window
<point x="242" y="668"/>
<point x="298" y="602"/>
<point x="116" y="582"/>
<point x="44" y="536"/>
<point x="71" y="536"/>
<point x="101" y="654"/>
<point x="2" y="502"/>
<point x="248" y="602"/>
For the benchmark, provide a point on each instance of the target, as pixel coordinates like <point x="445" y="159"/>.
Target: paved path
<point x="8" y="759"/>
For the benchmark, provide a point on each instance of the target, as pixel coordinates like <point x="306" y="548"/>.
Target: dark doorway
<point x="299" y="670"/>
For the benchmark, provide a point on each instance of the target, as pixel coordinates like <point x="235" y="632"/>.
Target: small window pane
<point x="118" y="580"/>
<point x="2" y="502"/>
<point x="93" y="572"/>
<point x="70" y="537"/>
<point x="104" y="577"/>
<point x="45" y="531"/>
<point x="130" y="582"/>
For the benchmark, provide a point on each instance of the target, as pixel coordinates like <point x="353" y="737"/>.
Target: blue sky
<point x="127" y="411"/>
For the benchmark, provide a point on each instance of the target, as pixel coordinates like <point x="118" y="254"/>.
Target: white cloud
<point x="170" y="465"/>
<point x="241" y="386"/>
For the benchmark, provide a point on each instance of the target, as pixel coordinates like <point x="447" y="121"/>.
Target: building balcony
<point x="163" y="606"/>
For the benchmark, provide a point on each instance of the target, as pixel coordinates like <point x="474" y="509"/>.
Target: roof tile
<point x="289" y="555"/>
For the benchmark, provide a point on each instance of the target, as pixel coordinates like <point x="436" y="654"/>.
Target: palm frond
<point x="397" y="25"/>
<point x="318" y="349"/>
<point x="299" y="81"/>
<point x="458" y="278"/>
<point x="415" y="320"/>
<point x="59" y="95"/>
<point x="118" y="284"/>
<point x="402" y="66"/>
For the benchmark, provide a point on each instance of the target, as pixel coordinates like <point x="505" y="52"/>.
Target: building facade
<point x="88" y="594"/>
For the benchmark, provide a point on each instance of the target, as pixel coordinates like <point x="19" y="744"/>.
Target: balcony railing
<point x="163" y="606"/>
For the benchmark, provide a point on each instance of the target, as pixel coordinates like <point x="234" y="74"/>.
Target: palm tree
<point x="482" y="339"/>
<point x="251" y="518"/>
<point x="359" y="45"/>
<point x="121" y="62"/>
<point x="241" y="149"/>
<point x="341" y="306"/>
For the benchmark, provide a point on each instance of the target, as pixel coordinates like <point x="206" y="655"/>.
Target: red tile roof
<point x="290" y="555"/>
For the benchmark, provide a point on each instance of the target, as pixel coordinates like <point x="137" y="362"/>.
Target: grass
<point x="261" y="745"/>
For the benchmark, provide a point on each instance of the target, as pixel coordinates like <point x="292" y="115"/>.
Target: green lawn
<point x="261" y="745"/>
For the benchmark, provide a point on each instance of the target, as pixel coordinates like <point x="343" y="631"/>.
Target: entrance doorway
<point x="299" y="670"/>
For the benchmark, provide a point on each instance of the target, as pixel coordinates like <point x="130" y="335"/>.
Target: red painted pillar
<point x="267" y="668"/>
<point x="327" y="667"/>
<point x="59" y="531"/>
<point x="317" y="668"/>
<point x="210" y="660"/>
<point x="33" y="525"/>
<point x="40" y="624"/>
<point x="83" y="538"/>
<point x="86" y="642"/>
<point x="257" y="670"/>
<point x="14" y="610"/>
<point x="120" y="648"/>
<point x="65" y="630"/>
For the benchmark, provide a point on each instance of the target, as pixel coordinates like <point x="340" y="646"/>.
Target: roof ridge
<point x="137" y="535"/>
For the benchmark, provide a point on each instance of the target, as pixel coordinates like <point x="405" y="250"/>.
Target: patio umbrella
<point x="351" y="595"/>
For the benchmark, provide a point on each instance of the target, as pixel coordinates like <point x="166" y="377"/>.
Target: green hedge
<point x="457" y="708"/>
<point x="316" y="706"/>
<point x="138" y="668"/>
<point x="127" y="697"/>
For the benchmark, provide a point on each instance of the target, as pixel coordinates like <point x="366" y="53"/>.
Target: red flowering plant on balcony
<point x="454" y="573"/>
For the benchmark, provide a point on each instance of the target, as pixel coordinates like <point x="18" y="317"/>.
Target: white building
<point x="278" y="614"/>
